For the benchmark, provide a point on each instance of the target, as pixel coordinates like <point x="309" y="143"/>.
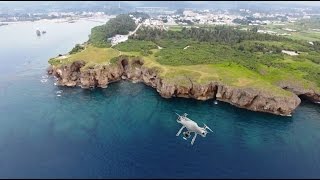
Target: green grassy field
<point x="247" y="63"/>
<point x="136" y="46"/>
<point x="304" y="29"/>
<point x="175" y="27"/>
<point x="213" y="64"/>
<point x="92" y="55"/>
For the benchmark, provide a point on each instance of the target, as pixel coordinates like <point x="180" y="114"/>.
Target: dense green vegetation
<point x="143" y="47"/>
<point x="141" y="15"/>
<point x="204" y="54"/>
<point x="98" y="37"/>
<point x="304" y="29"/>
<point x="221" y="44"/>
<point x="135" y="45"/>
<point x="305" y="24"/>
<point x="121" y="24"/>
<point x="221" y="34"/>
<point x="76" y="49"/>
<point x="241" y="21"/>
<point x="184" y="53"/>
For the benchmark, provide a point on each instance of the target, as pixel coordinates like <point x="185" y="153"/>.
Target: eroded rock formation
<point x="134" y="70"/>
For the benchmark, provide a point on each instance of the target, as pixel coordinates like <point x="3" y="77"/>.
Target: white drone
<point x="191" y="127"/>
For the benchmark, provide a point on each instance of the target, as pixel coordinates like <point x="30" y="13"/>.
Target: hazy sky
<point x="141" y="3"/>
<point x="265" y="2"/>
<point x="193" y="2"/>
<point x="271" y="2"/>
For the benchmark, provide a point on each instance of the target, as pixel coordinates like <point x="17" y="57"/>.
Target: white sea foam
<point x="59" y="92"/>
<point x="44" y="80"/>
<point x="45" y="76"/>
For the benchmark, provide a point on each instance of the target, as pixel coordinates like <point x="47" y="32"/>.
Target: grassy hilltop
<point x="235" y="57"/>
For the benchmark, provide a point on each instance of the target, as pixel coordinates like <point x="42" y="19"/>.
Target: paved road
<point x="130" y="33"/>
<point x="133" y="32"/>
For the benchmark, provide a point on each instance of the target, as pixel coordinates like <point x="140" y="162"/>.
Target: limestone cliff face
<point x="134" y="70"/>
<point x="258" y="101"/>
<point x="309" y="94"/>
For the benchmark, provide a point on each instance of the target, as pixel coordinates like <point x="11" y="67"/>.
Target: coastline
<point x="134" y="70"/>
<point x="236" y="85"/>
<point x="104" y="18"/>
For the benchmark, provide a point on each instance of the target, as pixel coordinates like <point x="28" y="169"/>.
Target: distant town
<point x="184" y="16"/>
<point x="166" y="18"/>
<point x="244" y="19"/>
<point x="51" y="15"/>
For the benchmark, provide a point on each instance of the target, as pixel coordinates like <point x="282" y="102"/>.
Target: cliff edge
<point x="133" y="69"/>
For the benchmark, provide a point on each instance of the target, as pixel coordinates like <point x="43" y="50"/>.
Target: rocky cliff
<point x="134" y="70"/>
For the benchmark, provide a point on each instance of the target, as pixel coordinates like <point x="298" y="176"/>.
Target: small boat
<point x="215" y="102"/>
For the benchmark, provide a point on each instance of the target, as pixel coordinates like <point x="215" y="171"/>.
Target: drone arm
<point x="194" y="138"/>
<point x="180" y="131"/>
<point x="206" y="127"/>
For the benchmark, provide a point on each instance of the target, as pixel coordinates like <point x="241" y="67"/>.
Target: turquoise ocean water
<point x="128" y="130"/>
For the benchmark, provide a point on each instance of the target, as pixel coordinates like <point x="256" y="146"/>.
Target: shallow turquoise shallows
<point x="128" y="130"/>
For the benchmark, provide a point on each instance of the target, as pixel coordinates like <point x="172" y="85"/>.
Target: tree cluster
<point x="76" y="49"/>
<point x="121" y="24"/>
<point x="141" y="15"/>
<point x="221" y="34"/>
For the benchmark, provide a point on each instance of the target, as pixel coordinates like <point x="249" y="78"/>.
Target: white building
<point x="189" y="13"/>
<point x="153" y="23"/>
<point x="291" y="53"/>
<point x="290" y="30"/>
<point x="118" y="39"/>
<point x="306" y="17"/>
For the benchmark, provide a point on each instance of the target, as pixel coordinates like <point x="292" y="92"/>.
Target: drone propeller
<point x="206" y="127"/>
<point x="184" y="114"/>
<point x="179" y="118"/>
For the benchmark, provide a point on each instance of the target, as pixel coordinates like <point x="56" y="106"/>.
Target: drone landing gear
<point x="187" y="134"/>
<point x="194" y="138"/>
<point x="180" y="131"/>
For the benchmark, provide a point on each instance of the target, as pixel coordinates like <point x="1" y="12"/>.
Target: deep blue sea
<point x="127" y="130"/>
